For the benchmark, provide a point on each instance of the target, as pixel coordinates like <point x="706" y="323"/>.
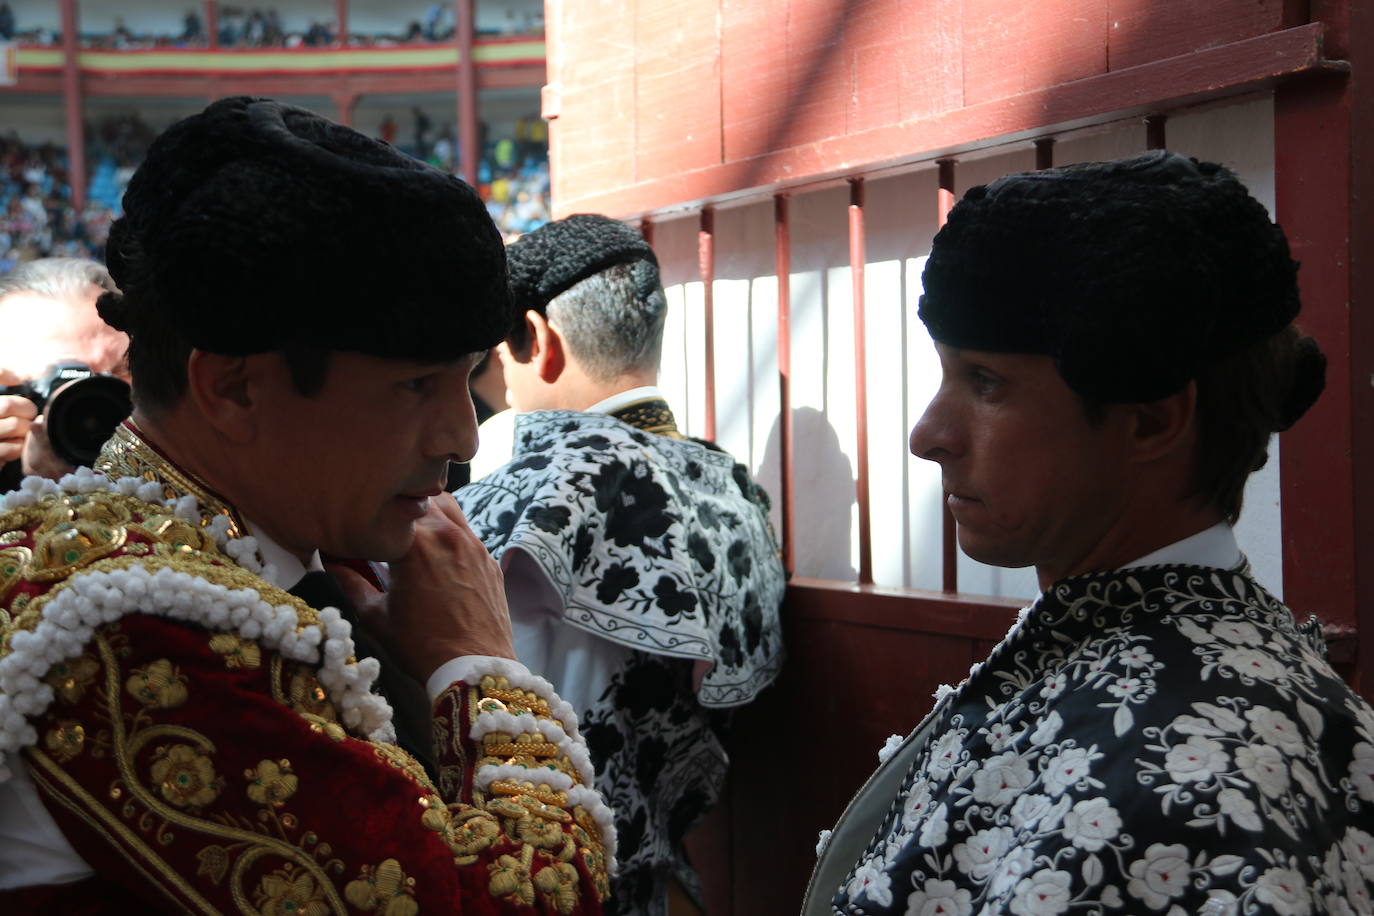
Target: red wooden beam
<point x="856" y="277"/>
<point x="949" y="531"/>
<point x="468" y="133"/>
<point x="72" y="105"/>
<point x="706" y="265"/>
<point x="1226" y="70"/>
<point x="782" y="267"/>
<point x="900" y="608"/>
<point x="1324" y="153"/>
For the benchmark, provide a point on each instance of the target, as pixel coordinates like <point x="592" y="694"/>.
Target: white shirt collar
<point x="282" y="568"/>
<point x="617" y="401"/>
<point x="1216" y="546"/>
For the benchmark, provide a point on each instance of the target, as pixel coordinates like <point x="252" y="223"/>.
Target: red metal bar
<point x="949" y="532"/>
<point x="340" y="22"/>
<point x="706" y="264"/>
<point x="782" y="267"/>
<point x="1044" y="153"/>
<point x="343" y="105"/>
<point x="1154" y="131"/>
<point x="856" y="275"/>
<point x="72" y="104"/>
<point x="468" y="138"/>
<point x="212" y="24"/>
<point x="1322" y="145"/>
<point x="646" y="229"/>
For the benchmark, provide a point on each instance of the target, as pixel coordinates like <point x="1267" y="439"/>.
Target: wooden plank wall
<point x="646" y="95"/>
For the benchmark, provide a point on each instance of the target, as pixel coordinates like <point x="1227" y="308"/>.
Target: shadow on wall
<point x="823" y="495"/>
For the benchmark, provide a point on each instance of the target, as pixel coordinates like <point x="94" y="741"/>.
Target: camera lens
<point x="82" y="414"/>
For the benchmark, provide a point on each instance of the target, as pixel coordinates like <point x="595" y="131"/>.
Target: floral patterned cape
<point x="1157" y="740"/>
<point x="655" y="543"/>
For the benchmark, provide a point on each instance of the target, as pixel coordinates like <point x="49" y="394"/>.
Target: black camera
<point x="83" y="408"/>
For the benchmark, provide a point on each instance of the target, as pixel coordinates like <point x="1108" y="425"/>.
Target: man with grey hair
<point x="47" y="314"/>
<point x="640" y="567"/>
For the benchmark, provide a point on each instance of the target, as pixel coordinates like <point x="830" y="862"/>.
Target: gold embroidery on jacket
<point x="238" y="653"/>
<point x="385" y="889"/>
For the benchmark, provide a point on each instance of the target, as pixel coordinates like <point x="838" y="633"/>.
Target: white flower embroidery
<point x="1136" y="657"/>
<point x="1285" y="890"/>
<point x="1222" y="718"/>
<point x="1196" y="760"/>
<point x="1047" y="730"/>
<point x="1092" y="824"/>
<point x="939" y="898"/>
<point x="873" y="882"/>
<point x="1124" y="687"/>
<point x="1193" y="725"/>
<point x="1194" y="632"/>
<point x="1001" y="779"/>
<point x="1237" y="632"/>
<point x="1254" y="663"/>
<point x="1362" y="771"/>
<point x="936" y="829"/>
<point x="1277" y="729"/>
<point x="1029" y="809"/>
<point x="978" y="855"/>
<point x="1358" y="849"/>
<point x="1015" y="864"/>
<point x="1045" y="893"/>
<point x="916" y="804"/>
<point x="1160" y="876"/>
<point x="1067" y="769"/>
<point x="1054" y="685"/>
<point x="1000" y="735"/>
<point x="1263" y="765"/>
<point x="1236" y="805"/>
<point x="944" y="754"/>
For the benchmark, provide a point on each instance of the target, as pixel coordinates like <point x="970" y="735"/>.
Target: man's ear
<point x="223" y="388"/>
<point x="1163" y="426"/>
<point x="548" y="349"/>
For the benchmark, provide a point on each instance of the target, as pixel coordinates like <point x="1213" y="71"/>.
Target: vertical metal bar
<point x="72" y="103"/>
<point x="856" y="275"/>
<point x="646" y="229"/>
<point x="1044" y="153"/>
<point x="1154" y="131"/>
<point x="212" y="24"/>
<point x="468" y="138"/>
<point x="706" y="264"/>
<point x="341" y="22"/>
<point x="949" y="533"/>
<point x="782" y="267"/>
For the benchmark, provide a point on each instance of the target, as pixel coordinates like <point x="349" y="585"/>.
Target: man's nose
<point x="933" y="437"/>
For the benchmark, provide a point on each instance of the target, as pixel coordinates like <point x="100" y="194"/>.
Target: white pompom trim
<point x="94" y="599"/>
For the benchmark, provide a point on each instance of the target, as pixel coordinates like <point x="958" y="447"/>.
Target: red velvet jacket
<point x="202" y="745"/>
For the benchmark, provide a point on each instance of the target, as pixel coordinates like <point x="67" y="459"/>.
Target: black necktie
<point x="409" y="701"/>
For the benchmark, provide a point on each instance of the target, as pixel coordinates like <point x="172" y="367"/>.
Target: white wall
<point x="902" y="371"/>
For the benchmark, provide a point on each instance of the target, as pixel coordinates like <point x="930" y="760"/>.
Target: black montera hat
<point x="1133" y="274"/>
<point x="257" y="226"/>
<point x="558" y="255"/>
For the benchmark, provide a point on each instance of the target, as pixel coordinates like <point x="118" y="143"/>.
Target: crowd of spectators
<point x="261" y="27"/>
<point x="37" y="219"/>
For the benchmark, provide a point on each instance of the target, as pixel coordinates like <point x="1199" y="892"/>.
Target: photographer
<point x="47" y="315"/>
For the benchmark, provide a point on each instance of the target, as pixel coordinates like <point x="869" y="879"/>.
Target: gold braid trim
<point x="653" y="415"/>
<point x="126" y="454"/>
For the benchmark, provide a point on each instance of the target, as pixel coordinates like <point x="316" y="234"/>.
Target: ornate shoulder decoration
<point x="81" y="554"/>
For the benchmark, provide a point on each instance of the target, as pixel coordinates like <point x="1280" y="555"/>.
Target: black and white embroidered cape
<point x="1159" y="740"/>
<point x="661" y="546"/>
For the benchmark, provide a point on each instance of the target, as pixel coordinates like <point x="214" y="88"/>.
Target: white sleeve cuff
<point x="471" y="669"/>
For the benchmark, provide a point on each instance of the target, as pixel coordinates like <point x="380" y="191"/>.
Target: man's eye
<point x="984" y="382"/>
<point x="418" y="385"/>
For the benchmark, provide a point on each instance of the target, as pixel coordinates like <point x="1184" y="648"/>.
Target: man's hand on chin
<point x="447" y="596"/>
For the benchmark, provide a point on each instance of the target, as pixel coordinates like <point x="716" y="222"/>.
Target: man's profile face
<point x="349" y="470"/>
<point x="1028" y="479"/>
